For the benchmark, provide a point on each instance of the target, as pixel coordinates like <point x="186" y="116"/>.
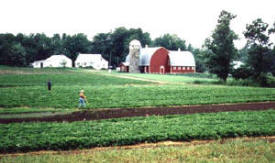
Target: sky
<point x="191" y="20"/>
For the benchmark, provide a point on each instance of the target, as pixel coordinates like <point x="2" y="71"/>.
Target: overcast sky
<point x="192" y="20"/>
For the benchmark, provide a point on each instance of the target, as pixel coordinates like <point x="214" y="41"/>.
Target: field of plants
<point x="105" y="91"/>
<point x="124" y="131"/>
<point x="24" y="94"/>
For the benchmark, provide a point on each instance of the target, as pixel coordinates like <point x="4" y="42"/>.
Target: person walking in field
<point x="49" y="85"/>
<point x="82" y="99"/>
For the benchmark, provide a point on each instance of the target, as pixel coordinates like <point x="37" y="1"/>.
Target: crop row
<point x="131" y="96"/>
<point x="124" y="131"/>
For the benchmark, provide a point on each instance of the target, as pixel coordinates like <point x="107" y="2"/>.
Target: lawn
<point x="238" y="150"/>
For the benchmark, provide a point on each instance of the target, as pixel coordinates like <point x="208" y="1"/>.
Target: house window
<point x="187" y="68"/>
<point x="174" y="68"/>
<point x="183" y="68"/>
<point x="193" y="68"/>
<point x="179" y="68"/>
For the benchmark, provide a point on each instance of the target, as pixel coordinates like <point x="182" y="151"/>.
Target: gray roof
<point x="146" y="55"/>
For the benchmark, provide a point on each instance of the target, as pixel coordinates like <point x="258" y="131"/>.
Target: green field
<point x="125" y="131"/>
<point x="24" y="90"/>
<point x="109" y="91"/>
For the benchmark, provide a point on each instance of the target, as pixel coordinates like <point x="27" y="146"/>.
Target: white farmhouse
<point x="53" y="61"/>
<point x="91" y="60"/>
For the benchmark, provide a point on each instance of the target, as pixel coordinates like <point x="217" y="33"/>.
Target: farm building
<point x="53" y="61"/>
<point x="162" y="61"/>
<point x="91" y="60"/>
<point x="237" y="64"/>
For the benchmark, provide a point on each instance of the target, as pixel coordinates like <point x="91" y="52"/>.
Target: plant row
<point x="125" y="131"/>
<point x="131" y="96"/>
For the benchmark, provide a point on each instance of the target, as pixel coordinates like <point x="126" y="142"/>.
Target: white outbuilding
<point x="91" y="60"/>
<point x="53" y="61"/>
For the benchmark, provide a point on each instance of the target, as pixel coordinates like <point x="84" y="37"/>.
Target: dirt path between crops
<point x="133" y="112"/>
<point x="269" y="139"/>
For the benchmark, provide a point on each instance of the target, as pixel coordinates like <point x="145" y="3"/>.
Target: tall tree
<point x="102" y="44"/>
<point x="18" y="55"/>
<point x="259" y="52"/>
<point x="221" y="46"/>
<point x="76" y="44"/>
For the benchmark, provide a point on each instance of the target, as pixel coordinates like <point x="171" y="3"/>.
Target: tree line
<point x="258" y="55"/>
<point x="21" y="50"/>
<point x="216" y="55"/>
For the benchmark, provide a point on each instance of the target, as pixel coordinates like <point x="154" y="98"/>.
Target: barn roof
<point x="146" y="55"/>
<point x="177" y="58"/>
<point x="54" y="58"/>
<point x="88" y="57"/>
<point x="181" y="58"/>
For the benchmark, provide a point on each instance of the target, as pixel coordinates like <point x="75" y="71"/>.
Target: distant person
<point x="49" y="85"/>
<point x="82" y="99"/>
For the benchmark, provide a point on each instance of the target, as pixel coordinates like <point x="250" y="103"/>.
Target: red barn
<point x="162" y="61"/>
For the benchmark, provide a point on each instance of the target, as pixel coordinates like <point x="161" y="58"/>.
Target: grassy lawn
<point x="238" y="150"/>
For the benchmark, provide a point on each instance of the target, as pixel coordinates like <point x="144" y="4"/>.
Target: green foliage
<point x="221" y="46"/>
<point x="125" y="131"/>
<point x="242" y="72"/>
<point x="76" y="44"/>
<point x="170" y="42"/>
<point x="111" y="92"/>
<point x="260" y="55"/>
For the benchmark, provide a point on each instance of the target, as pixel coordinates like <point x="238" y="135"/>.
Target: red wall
<point x="124" y="68"/>
<point x="160" y="58"/>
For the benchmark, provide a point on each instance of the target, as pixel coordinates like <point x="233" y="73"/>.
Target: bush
<point x="243" y="72"/>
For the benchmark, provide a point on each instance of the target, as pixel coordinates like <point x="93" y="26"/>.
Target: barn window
<point x="174" y="68"/>
<point x="193" y="68"/>
<point x="179" y="68"/>
<point x="187" y="68"/>
<point x="183" y="68"/>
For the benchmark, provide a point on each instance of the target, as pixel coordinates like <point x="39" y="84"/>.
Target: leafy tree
<point x="221" y="46"/>
<point x="73" y="45"/>
<point x="117" y="42"/>
<point x="5" y="44"/>
<point x="259" y="52"/>
<point x="102" y="44"/>
<point x="18" y="55"/>
<point x="171" y="42"/>
<point x="199" y="58"/>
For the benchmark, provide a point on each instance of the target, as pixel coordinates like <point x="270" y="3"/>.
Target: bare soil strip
<point x="270" y="139"/>
<point x="133" y="112"/>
